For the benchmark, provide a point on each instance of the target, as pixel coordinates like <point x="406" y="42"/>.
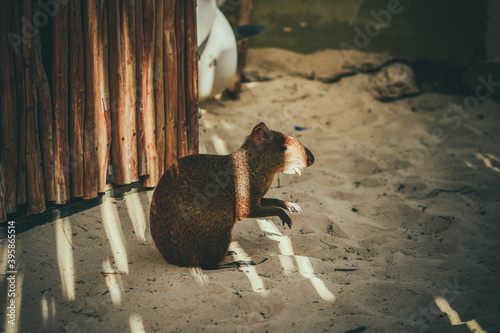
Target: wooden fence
<point x="88" y="86"/>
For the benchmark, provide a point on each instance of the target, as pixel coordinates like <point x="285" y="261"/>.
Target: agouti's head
<point x="277" y="151"/>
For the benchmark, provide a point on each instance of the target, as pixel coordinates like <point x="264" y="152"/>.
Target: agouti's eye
<point x="282" y="148"/>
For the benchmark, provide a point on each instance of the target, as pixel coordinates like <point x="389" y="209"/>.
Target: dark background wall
<point x="455" y="32"/>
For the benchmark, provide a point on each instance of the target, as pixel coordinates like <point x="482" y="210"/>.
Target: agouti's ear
<point x="260" y="134"/>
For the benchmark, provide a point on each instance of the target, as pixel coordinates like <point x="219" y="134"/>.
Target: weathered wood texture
<point x="60" y="98"/>
<point x="191" y="91"/>
<point x="170" y="64"/>
<point x="89" y="84"/>
<point x="16" y="11"/>
<point x="122" y="81"/>
<point x="103" y="112"/>
<point x="158" y="88"/>
<point x="77" y="97"/>
<point x="147" y="92"/>
<point x="8" y="117"/>
<point x="180" y="29"/>
<point x="45" y="118"/>
<point x="142" y="159"/>
<point x="34" y="171"/>
<point x="92" y="98"/>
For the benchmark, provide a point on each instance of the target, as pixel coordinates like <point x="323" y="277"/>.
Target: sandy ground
<point x="382" y="245"/>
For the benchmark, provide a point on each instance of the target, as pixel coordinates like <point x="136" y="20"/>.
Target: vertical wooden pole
<point x="143" y="163"/>
<point x="171" y="95"/>
<point x="191" y="79"/>
<point x="121" y="30"/>
<point x="21" y="107"/>
<point x="130" y="85"/>
<point x="60" y="95"/>
<point x="77" y="97"/>
<point x="148" y="91"/>
<point x="8" y="108"/>
<point x="245" y="13"/>
<point x="45" y="117"/>
<point x="115" y="89"/>
<point x="159" y="91"/>
<point x="181" y="61"/>
<point x="92" y="98"/>
<point x="103" y="116"/>
<point x="34" y="172"/>
<point x="3" y="212"/>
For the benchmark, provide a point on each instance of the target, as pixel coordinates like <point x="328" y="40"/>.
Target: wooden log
<point x="45" y="117"/>
<point x="171" y="95"/>
<point x="77" y="97"/>
<point x="143" y="162"/>
<point x="21" y="107"/>
<point x="121" y="30"/>
<point x="181" y="97"/>
<point x="103" y="116"/>
<point x="34" y="170"/>
<point x="191" y="79"/>
<point x="8" y="126"/>
<point x="92" y="98"/>
<point x="3" y="212"/>
<point x="245" y="14"/>
<point x="148" y="91"/>
<point x="159" y="91"/>
<point x="60" y="97"/>
<point x="115" y="88"/>
<point x="130" y="84"/>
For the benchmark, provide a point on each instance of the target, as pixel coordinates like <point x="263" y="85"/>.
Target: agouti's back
<point x="191" y="213"/>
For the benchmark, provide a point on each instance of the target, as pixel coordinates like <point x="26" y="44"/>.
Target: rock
<point x="327" y="66"/>
<point x="393" y="81"/>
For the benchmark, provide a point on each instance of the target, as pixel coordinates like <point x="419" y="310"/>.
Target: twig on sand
<point x="330" y="245"/>
<point x="345" y="269"/>
<point x="93" y="315"/>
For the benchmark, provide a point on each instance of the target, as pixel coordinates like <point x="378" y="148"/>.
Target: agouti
<point x="200" y="198"/>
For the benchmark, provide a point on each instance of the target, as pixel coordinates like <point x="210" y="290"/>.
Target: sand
<point x="381" y="243"/>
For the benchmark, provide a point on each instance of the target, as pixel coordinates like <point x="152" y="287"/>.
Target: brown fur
<point x="200" y="198"/>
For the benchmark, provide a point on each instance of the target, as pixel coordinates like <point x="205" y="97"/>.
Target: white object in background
<point x="217" y="48"/>
<point x="205" y="15"/>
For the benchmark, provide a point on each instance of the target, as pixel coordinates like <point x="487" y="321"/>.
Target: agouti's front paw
<point x="293" y="207"/>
